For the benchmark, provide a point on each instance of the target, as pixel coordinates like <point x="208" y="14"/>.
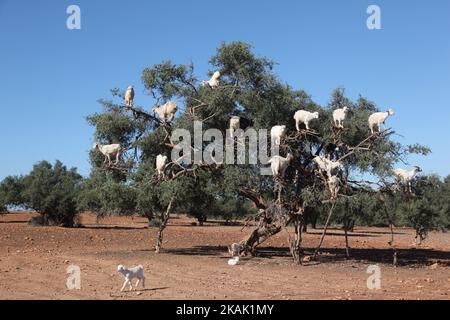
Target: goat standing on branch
<point x="277" y="133"/>
<point x="378" y="118"/>
<point x="168" y="109"/>
<point x="339" y="116"/>
<point x="327" y="165"/>
<point x="234" y="125"/>
<point x="406" y="176"/>
<point x="213" y="83"/>
<point x="279" y="165"/>
<point x="305" y="117"/>
<point x="161" y="162"/>
<point x="129" y="96"/>
<point x="109" y="150"/>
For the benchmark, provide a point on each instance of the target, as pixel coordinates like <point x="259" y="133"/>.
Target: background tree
<point x="52" y="191"/>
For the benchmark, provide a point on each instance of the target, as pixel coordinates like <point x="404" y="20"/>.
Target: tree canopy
<point x="50" y="190"/>
<point x="250" y="89"/>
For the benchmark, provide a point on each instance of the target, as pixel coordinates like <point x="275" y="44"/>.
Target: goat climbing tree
<point x="250" y="89"/>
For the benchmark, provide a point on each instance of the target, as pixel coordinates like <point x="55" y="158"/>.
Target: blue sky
<point x="51" y="77"/>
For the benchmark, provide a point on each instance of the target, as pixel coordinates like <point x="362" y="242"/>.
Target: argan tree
<point x="50" y="190"/>
<point x="251" y="90"/>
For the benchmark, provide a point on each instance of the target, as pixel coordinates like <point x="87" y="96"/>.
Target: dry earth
<point x="193" y="264"/>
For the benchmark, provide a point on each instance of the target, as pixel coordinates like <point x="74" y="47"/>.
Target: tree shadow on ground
<point x="206" y="224"/>
<point x="14" y="222"/>
<point x="350" y="234"/>
<point x="406" y="257"/>
<point x="198" y="251"/>
<point x="380" y="232"/>
<point x="110" y="227"/>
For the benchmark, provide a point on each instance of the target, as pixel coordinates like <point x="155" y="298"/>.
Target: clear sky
<point x="51" y="77"/>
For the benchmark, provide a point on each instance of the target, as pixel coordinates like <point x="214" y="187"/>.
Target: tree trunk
<point x="295" y="245"/>
<point x="267" y="227"/>
<point x="260" y="234"/>
<point x="391" y="227"/>
<point x="330" y="213"/>
<point x="346" y="229"/>
<point x="347" y="253"/>
<point x="164" y="220"/>
<point x="391" y="243"/>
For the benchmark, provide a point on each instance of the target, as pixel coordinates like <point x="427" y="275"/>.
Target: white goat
<point x="276" y="133"/>
<point x="234" y="125"/>
<point x="131" y="273"/>
<point x="109" y="150"/>
<point x="339" y="116"/>
<point x="378" y="118"/>
<point x="303" y="116"/>
<point x="333" y="186"/>
<point x="167" y="109"/>
<point x="161" y="162"/>
<point x="329" y="166"/>
<point x="129" y="96"/>
<point x="234" y="250"/>
<point x="213" y="82"/>
<point x="279" y="164"/>
<point x="406" y="176"/>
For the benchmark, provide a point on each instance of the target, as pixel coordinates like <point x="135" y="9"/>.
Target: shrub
<point x="49" y="190"/>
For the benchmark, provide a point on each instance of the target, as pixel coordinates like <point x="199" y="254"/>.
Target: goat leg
<point x="124" y="284"/>
<point x="131" y="284"/>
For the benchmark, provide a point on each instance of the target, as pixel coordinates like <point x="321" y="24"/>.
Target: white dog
<point x="131" y="273"/>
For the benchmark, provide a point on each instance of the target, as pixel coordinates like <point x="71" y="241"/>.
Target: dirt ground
<point x="193" y="263"/>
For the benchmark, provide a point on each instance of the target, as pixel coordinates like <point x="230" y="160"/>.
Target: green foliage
<point x="3" y="207"/>
<point x="233" y="209"/>
<point x="429" y="210"/>
<point x="11" y="193"/>
<point x="103" y="195"/>
<point x="51" y="191"/>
